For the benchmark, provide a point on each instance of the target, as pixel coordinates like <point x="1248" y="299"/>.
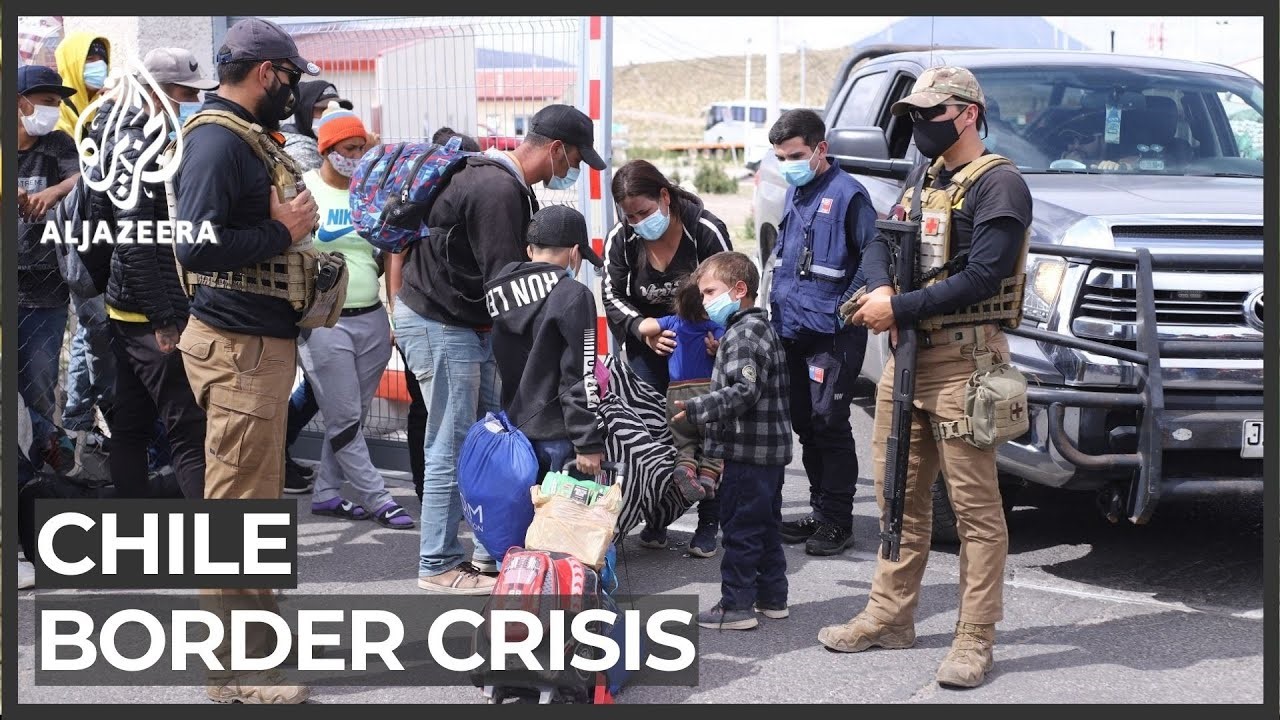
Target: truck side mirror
<point x="865" y="151"/>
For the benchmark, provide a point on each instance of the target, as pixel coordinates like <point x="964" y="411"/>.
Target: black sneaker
<point x="797" y="531"/>
<point x="703" y="543"/>
<point x="719" y="618"/>
<point x="829" y="540"/>
<point x="654" y="539"/>
<point x="297" y="479"/>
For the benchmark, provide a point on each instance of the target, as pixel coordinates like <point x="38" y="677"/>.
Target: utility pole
<point x="803" y="87"/>
<point x="773" y="73"/>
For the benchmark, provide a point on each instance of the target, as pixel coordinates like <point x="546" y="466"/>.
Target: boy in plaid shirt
<point x="747" y="422"/>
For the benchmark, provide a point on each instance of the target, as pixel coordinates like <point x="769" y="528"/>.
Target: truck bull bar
<point x="1148" y="400"/>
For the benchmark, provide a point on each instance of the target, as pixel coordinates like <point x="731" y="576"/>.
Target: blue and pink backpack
<point x="393" y="189"/>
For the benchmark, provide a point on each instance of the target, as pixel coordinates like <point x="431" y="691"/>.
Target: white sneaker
<point x="26" y="575"/>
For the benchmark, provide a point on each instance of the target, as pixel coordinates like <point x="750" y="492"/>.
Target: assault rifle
<point x="903" y="235"/>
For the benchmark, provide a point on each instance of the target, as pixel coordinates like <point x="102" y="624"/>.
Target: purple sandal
<point x="393" y="516"/>
<point x="339" y="508"/>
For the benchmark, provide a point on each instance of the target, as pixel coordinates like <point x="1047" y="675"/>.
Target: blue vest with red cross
<point x="813" y="269"/>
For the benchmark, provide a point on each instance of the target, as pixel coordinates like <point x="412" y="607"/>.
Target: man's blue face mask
<point x="570" y="177"/>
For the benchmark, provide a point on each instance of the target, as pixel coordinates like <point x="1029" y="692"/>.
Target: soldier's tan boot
<point x="865" y="631"/>
<point x="971" y="656"/>
<point x="268" y="687"/>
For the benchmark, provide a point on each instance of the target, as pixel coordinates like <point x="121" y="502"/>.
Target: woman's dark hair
<point x="687" y="303"/>
<point x="639" y="178"/>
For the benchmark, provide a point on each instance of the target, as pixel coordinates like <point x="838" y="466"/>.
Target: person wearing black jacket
<point x="239" y="348"/>
<point x="664" y="235"/>
<point x="442" y="323"/>
<point x="544" y="341"/>
<point x="300" y="135"/>
<point x="144" y="300"/>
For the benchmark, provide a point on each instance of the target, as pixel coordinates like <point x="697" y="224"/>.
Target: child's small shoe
<point x="721" y="618"/>
<point x="774" y="610"/>
<point x="687" y="483"/>
<point x="703" y="542"/>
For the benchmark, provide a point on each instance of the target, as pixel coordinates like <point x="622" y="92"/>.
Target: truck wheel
<point x="945" y="531"/>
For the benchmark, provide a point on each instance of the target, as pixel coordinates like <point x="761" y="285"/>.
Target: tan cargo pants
<point x="970" y="474"/>
<point x="242" y="382"/>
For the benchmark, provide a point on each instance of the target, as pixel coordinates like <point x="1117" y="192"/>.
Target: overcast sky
<point x="642" y="39"/>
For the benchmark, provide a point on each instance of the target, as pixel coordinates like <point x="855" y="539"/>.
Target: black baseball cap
<point x="258" y="39"/>
<point x="38" y="78"/>
<point x="331" y="93"/>
<point x="571" y="126"/>
<point x="562" y="226"/>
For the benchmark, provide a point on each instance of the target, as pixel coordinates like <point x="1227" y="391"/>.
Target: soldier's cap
<point x="258" y="39"/>
<point x="38" y="78"/>
<point x="939" y="84"/>
<point x="562" y="226"/>
<point x="571" y="126"/>
<point x="176" y="66"/>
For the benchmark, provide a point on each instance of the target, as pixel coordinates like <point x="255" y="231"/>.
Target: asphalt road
<point x="1094" y="613"/>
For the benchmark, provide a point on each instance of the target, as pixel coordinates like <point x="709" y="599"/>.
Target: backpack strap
<point x="970" y="173"/>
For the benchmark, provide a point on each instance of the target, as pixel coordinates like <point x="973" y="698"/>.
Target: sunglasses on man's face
<point x="295" y="76"/>
<point x="930" y="113"/>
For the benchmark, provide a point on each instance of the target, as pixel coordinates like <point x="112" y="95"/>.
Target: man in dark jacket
<point x="145" y="303"/>
<point x="442" y="322"/>
<point x="544" y="341"/>
<point x="239" y="347"/>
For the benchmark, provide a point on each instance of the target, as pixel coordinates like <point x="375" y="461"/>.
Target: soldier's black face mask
<point x="934" y="138"/>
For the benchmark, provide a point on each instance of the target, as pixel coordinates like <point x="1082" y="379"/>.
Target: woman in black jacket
<point x="664" y="235"/>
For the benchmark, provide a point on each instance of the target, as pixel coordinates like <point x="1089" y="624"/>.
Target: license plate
<point x="1251" y="439"/>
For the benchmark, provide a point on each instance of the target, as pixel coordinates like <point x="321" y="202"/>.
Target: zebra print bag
<point x="634" y="418"/>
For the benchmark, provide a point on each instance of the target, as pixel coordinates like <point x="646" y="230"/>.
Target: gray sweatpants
<point x="344" y="364"/>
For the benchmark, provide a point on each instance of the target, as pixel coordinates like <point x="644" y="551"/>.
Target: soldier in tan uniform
<point x="974" y="230"/>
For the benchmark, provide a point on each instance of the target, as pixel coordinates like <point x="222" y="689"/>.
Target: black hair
<point x="234" y="73"/>
<point x="687" y="302"/>
<point x="640" y="178"/>
<point x="802" y="123"/>
<point x="731" y="267"/>
<point x="442" y="135"/>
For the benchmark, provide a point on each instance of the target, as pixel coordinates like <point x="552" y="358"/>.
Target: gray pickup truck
<point x="1142" y="336"/>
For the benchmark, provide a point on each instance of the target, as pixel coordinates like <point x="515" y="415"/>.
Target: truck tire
<point x="945" y="531"/>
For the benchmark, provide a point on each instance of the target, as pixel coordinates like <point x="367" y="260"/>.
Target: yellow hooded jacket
<point x="71" y="54"/>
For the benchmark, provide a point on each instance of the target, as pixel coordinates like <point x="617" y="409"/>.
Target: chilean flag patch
<point x="825" y="209"/>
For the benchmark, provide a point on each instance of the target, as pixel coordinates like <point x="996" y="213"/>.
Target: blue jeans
<point x="302" y="407"/>
<point x="754" y="566"/>
<point x="459" y="380"/>
<point x="552" y="455"/>
<point x="40" y="332"/>
<point x="91" y="372"/>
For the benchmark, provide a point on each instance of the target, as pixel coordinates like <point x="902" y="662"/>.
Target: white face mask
<point x="42" y="120"/>
<point x="345" y="166"/>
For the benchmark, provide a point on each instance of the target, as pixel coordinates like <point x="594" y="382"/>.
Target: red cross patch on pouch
<point x="825" y="208"/>
<point x="931" y="226"/>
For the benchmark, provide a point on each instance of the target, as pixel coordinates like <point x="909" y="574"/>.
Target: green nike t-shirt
<point x="337" y="234"/>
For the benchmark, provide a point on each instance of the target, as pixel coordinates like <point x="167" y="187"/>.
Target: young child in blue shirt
<point x="690" y="365"/>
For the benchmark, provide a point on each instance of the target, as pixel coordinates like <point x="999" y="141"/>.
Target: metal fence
<point x="407" y="77"/>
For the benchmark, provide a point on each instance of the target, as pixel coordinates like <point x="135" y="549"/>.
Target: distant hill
<point x="666" y="102"/>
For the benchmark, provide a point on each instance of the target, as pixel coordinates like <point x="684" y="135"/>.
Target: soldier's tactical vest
<point x="814" y="269"/>
<point x="936" y="205"/>
<point x="314" y="282"/>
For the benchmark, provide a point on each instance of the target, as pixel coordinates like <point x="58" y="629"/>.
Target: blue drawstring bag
<point x="495" y="471"/>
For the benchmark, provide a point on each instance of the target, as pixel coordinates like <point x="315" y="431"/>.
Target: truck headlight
<point x="1044" y="284"/>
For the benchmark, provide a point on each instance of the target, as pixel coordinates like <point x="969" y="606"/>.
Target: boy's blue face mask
<point x="798" y="172"/>
<point x="95" y="74"/>
<point x="721" y="307"/>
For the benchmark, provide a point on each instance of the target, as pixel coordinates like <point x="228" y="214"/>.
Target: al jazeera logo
<point x="132" y="169"/>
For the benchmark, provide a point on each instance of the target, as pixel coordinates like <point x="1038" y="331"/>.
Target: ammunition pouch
<point x="995" y="402"/>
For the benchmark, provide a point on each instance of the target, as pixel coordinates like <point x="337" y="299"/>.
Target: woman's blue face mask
<point x="653" y="227"/>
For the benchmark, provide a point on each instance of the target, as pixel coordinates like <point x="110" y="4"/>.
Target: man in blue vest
<point x="827" y="222"/>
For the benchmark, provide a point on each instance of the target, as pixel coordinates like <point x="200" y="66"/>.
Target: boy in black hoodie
<point x="544" y="342"/>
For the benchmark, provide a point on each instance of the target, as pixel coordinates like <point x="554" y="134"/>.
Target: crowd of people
<point x="192" y="365"/>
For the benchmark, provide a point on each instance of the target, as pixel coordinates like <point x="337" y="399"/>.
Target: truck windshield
<point x="1124" y="120"/>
